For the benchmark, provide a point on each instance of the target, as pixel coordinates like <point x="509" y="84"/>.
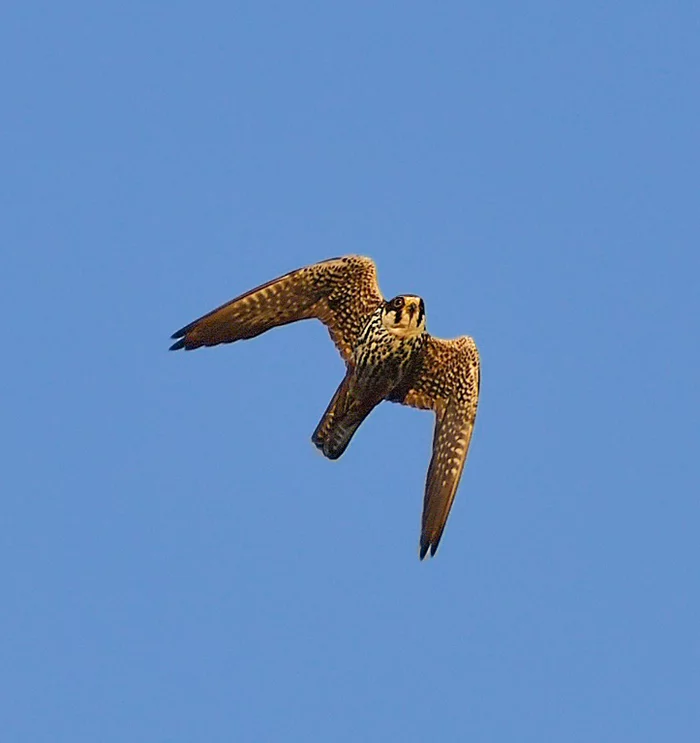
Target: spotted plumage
<point x="388" y="353"/>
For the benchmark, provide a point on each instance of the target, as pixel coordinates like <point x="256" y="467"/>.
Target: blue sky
<point x="178" y="562"/>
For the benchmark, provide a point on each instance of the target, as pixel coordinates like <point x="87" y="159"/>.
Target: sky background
<point x="178" y="562"/>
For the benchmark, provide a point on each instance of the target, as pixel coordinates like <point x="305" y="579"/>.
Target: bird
<point x="388" y="355"/>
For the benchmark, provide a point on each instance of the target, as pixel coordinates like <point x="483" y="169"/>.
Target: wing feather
<point x="447" y="383"/>
<point x="341" y="292"/>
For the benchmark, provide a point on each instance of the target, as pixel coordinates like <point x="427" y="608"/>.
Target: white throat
<point x="402" y="332"/>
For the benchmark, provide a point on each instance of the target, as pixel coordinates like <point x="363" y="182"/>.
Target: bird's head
<point x="404" y="316"/>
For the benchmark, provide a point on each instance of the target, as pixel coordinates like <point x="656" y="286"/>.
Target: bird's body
<point x="383" y="363"/>
<point x="389" y="356"/>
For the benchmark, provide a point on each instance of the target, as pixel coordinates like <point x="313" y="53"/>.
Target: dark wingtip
<point x="427" y="549"/>
<point x="179" y="335"/>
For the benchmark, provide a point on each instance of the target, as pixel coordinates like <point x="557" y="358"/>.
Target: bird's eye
<point x="398" y="302"/>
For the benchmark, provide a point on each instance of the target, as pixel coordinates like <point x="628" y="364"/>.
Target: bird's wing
<point x="341" y="292"/>
<point x="448" y="383"/>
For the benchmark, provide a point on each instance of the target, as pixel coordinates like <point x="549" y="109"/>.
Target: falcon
<point x="388" y="355"/>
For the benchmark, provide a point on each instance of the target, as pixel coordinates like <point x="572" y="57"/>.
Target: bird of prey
<point x="388" y="356"/>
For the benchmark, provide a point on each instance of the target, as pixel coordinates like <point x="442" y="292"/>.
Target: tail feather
<point x="342" y="418"/>
<point x="338" y="438"/>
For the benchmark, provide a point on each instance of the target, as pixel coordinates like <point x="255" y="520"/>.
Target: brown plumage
<point x="388" y="355"/>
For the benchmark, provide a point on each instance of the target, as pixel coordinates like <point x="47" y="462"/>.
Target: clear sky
<point x="178" y="562"/>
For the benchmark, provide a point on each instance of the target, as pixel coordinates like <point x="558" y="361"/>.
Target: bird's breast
<point x="382" y="360"/>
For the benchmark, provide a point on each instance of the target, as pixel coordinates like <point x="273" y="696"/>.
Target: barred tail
<point x="342" y="418"/>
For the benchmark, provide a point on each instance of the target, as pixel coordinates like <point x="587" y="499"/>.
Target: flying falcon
<point x="388" y="356"/>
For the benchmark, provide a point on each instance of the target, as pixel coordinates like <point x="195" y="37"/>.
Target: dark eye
<point x="398" y="303"/>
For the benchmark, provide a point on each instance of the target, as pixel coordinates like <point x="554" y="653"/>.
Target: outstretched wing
<point x="341" y="292"/>
<point x="448" y="383"/>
